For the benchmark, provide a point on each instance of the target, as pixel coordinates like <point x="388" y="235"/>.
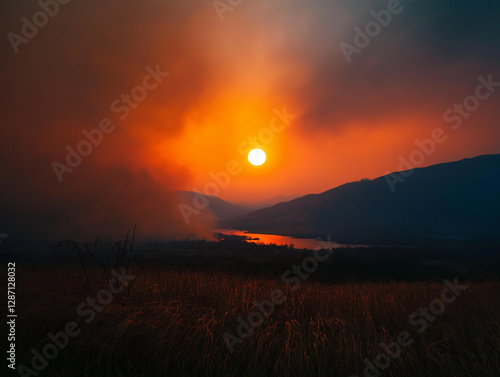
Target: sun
<point x="257" y="157"/>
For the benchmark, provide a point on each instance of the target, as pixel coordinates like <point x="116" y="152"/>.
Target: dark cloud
<point x="427" y="58"/>
<point x="63" y="81"/>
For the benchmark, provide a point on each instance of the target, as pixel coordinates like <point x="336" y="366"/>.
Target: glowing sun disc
<point x="257" y="157"/>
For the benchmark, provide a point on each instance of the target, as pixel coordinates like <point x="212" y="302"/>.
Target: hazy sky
<point x="229" y="72"/>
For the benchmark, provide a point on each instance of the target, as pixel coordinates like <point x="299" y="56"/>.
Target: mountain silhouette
<point x="269" y="202"/>
<point x="216" y="207"/>
<point x="456" y="200"/>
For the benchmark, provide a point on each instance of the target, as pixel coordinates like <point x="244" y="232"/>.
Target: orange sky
<point x="352" y="120"/>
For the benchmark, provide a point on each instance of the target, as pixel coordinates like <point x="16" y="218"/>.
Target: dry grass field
<point x="170" y="322"/>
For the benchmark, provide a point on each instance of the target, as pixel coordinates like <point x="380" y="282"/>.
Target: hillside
<point x="457" y="200"/>
<point x="221" y="209"/>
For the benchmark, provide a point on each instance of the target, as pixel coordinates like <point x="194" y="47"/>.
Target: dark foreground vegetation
<point x="181" y="298"/>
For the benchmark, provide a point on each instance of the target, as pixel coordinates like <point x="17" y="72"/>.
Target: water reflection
<point x="298" y="243"/>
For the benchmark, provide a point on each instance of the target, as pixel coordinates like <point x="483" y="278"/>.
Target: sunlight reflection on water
<point x="298" y="243"/>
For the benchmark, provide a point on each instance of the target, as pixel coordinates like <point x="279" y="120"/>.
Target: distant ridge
<point x="217" y="207"/>
<point x="455" y="200"/>
<point x="270" y="202"/>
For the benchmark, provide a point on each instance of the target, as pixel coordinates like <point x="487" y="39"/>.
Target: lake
<point x="298" y="243"/>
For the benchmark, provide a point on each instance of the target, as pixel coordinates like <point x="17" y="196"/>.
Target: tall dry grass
<point x="172" y="324"/>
